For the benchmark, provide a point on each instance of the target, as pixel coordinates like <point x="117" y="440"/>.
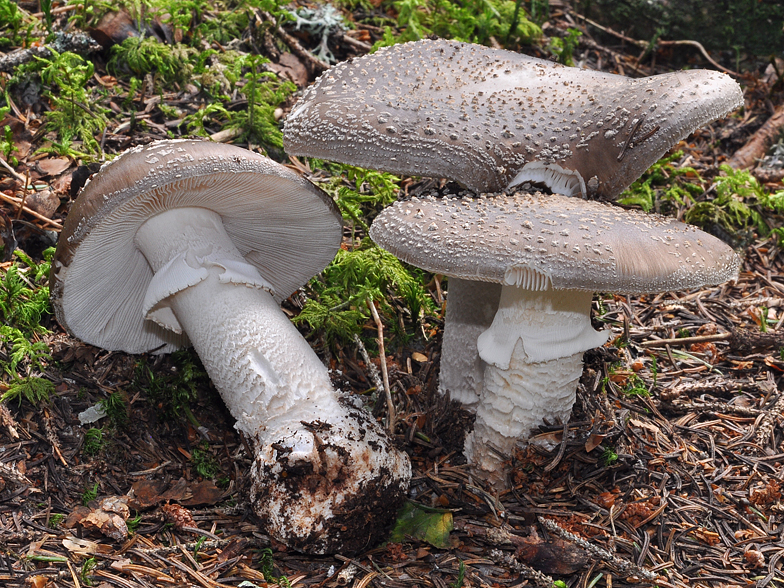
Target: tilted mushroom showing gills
<point x="549" y="253"/>
<point x="194" y="240"/>
<point x="491" y="119"/>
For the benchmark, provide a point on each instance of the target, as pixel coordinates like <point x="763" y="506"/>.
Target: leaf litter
<point x="669" y="472"/>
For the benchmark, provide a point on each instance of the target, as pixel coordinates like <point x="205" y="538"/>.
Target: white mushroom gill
<point x="271" y="381"/>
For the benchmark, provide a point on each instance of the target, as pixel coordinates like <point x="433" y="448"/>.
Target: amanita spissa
<point x="191" y="240"/>
<point x="493" y="119"/>
<point x="549" y="254"/>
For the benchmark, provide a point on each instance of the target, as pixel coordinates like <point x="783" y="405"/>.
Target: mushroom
<point x="549" y="254"/>
<point x="194" y="241"/>
<point x="493" y="119"/>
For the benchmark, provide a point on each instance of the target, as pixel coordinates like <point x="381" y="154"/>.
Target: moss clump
<point x="473" y="21"/>
<point x="24" y="303"/>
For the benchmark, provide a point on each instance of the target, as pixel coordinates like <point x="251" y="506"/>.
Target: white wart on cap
<point x="549" y="253"/>
<point x="198" y="239"/>
<point x="491" y="119"/>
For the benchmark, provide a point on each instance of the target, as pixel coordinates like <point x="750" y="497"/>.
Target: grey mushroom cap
<point x="485" y="117"/>
<point x="282" y="224"/>
<point x="553" y="241"/>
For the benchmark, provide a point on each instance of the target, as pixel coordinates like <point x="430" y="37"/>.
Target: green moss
<point x="55" y="520"/>
<point x="74" y="114"/>
<point x="663" y="186"/>
<point x="735" y="206"/>
<point x="11" y="24"/>
<point x="173" y="388"/>
<point x="264" y="93"/>
<point x="24" y="303"/>
<point x="473" y="21"/>
<point x="93" y="441"/>
<point x="116" y="408"/>
<point x="204" y="462"/>
<point x="563" y="48"/>
<point x="89" y="494"/>
<point x="139" y="56"/>
<point x="340" y="296"/>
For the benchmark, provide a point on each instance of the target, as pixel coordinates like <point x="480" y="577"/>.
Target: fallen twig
<point x="684" y="340"/>
<point x="313" y="63"/>
<point x="7" y="420"/>
<point x="56" y="226"/>
<point x="371" y="367"/>
<point x="759" y="143"/>
<point x="9" y="473"/>
<point x="740" y="340"/>
<point x="624" y="566"/>
<point x="77" y="42"/>
<point x="659" y="43"/>
<point x="525" y="571"/>
<point x="766" y="427"/>
<point x="383" y="362"/>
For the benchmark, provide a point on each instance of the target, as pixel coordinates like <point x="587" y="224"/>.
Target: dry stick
<point x="383" y="362"/>
<point x="510" y="561"/>
<point x="685" y="340"/>
<point x="355" y="43"/>
<point x="7" y="420"/>
<point x="51" y="436"/>
<point x="645" y="44"/>
<point x="58" y="10"/>
<point x="10" y="473"/>
<point x="625" y="567"/>
<point x="202" y="545"/>
<point x="719" y="407"/>
<point x="74" y="577"/>
<point x="313" y="63"/>
<point x="12" y="171"/>
<point x="756" y="147"/>
<point x="25" y="192"/>
<point x="77" y="42"/>
<point x="372" y="369"/>
<point x="56" y="226"/>
<point x="769" y="420"/>
<point x="561" y="449"/>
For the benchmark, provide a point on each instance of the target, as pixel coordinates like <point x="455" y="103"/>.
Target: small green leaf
<point x="431" y="525"/>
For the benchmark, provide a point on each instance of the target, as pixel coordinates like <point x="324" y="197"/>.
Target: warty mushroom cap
<point x="549" y="253"/>
<point x="283" y="225"/>
<point x="488" y="118"/>
<point x="556" y="242"/>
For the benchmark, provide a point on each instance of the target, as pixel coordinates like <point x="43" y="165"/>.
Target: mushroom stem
<point x="533" y="351"/>
<point x="320" y="463"/>
<point x="470" y="309"/>
<point x="255" y="357"/>
<point x="504" y="417"/>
